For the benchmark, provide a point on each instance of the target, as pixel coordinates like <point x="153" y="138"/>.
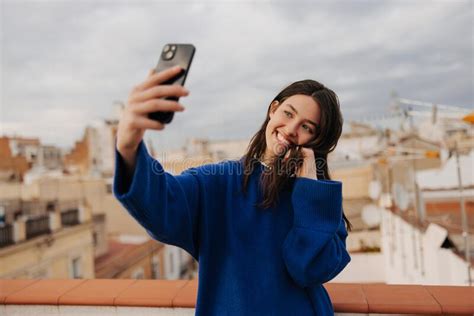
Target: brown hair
<point x="282" y="171"/>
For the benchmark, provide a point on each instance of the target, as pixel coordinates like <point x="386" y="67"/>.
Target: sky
<point x="66" y="64"/>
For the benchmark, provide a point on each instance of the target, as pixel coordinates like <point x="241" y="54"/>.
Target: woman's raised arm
<point x="166" y="206"/>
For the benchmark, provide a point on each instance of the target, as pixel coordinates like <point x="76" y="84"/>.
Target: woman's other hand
<point x="308" y="169"/>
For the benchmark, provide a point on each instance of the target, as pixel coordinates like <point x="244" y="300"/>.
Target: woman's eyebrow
<point x="291" y="106"/>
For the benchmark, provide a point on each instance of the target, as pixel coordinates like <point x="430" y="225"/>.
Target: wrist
<point x="126" y="149"/>
<point x="127" y="152"/>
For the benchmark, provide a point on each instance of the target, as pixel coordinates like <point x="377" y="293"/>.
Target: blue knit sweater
<point x="251" y="261"/>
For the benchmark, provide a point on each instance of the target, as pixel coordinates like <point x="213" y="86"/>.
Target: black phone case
<point x="173" y="55"/>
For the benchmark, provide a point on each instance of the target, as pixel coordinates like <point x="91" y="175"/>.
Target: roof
<point x="448" y="215"/>
<point x="25" y="141"/>
<point x="121" y="256"/>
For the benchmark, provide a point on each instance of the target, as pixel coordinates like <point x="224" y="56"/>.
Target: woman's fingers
<point x="158" y="92"/>
<point x="151" y="72"/>
<point x="143" y="123"/>
<point x="154" y="105"/>
<point x="146" y="98"/>
<point x="308" y="153"/>
<point x="155" y="78"/>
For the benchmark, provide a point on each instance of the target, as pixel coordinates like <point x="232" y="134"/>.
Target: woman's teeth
<point x="282" y="139"/>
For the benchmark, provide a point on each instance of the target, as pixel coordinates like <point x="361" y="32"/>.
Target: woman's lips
<point x="281" y="139"/>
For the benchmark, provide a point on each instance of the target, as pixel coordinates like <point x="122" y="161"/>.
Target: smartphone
<point x="173" y="55"/>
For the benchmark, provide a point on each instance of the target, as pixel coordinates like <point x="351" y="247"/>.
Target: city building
<point x="13" y="165"/>
<point x="56" y="244"/>
<point x="20" y="156"/>
<point x="94" y="154"/>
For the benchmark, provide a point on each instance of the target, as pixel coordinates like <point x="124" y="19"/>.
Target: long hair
<point x="281" y="172"/>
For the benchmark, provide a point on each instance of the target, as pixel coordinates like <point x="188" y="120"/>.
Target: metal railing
<point x="37" y="226"/>
<point x="70" y="217"/>
<point x="6" y="235"/>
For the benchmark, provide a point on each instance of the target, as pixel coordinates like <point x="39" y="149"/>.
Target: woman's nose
<point x="291" y="130"/>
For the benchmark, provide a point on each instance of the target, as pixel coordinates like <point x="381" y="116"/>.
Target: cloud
<point x="56" y="125"/>
<point x="71" y="60"/>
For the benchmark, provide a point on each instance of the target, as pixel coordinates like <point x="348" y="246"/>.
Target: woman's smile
<point x="282" y="139"/>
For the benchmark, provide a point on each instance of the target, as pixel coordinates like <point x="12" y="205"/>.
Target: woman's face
<point x="291" y="122"/>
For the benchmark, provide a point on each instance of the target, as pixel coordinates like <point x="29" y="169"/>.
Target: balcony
<point x="162" y="297"/>
<point x="70" y="217"/>
<point x="6" y="235"/>
<point x="26" y="228"/>
<point x="37" y="226"/>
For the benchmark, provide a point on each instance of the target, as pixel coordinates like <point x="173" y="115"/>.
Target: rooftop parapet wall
<point x="346" y="298"/>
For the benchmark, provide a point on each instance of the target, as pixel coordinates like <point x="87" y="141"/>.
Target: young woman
<point x="268" y="230"/>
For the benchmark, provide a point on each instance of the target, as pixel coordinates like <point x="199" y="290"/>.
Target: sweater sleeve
<point x="166" y="206"/>
<point x="314" y="250"/>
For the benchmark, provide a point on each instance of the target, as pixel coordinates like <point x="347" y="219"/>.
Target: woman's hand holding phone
<point x="145" y="98"/>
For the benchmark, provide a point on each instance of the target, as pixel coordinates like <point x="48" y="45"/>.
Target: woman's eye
<point x="288" y="114"/>
<point x="306" y="127"/>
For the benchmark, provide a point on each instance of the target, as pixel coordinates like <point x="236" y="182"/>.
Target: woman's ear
<point x="273" y="106"/>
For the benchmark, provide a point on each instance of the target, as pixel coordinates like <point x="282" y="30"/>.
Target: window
<point x="171" y="257"/>
<point x="75" y="271"/>
<point x="95" y="238"/>
<point x="155" y="267"/>
<point x="171" y="263"/>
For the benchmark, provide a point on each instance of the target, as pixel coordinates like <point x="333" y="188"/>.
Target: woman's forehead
<point x="305" y="106"/>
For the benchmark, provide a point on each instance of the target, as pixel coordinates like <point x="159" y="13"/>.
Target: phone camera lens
<point x="166" y="48"/>
<point x="169" y="55"/>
